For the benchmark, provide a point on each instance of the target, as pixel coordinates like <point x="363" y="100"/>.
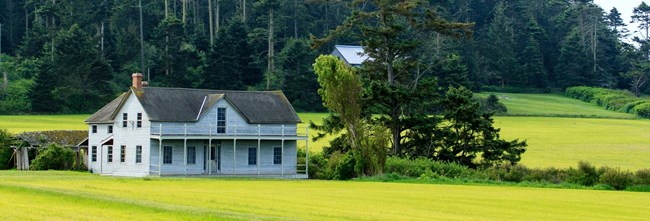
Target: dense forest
<point x="74" y="56"/>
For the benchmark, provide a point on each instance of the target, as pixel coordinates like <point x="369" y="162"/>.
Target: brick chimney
<point x="137" y="81"/>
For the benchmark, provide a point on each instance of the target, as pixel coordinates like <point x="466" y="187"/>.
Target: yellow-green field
<point x="23" y="123"/>
<point x="53" y="195"/>
<point x="562" y="142"/>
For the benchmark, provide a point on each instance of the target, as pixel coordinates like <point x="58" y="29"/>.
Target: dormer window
<point x="139" y="122"/>
<point x="125" y="119"/>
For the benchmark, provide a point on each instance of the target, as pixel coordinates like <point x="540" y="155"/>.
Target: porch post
<point x="282" y="158"/>
<point x="160" y="140"/>
<point x="185" y="150"/>
<point x="160" y="156"/>
<point x="208" y="156"/>
<point x="307" y="153"/>
<point x="234" y="155"/>
<point x="258" y="156"/>
<point x="185" y="154"/>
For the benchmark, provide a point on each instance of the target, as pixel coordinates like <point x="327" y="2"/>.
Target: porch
<point x="234" y="154"/>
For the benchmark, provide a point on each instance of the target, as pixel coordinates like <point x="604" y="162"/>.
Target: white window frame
<point x="109" y="154"/>
<point x="221" y="129"/>
<point x="138" y="154"/>
<point x="122" y="153"/>
<point x="93" y="154"/>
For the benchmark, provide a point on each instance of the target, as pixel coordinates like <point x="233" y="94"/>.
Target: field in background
<point x="51" y="195"/>
<point x="553" y="141"/>
<point x="24" y="123"/>
<point x="562" y="142"/>
<point x="553" y="105"/>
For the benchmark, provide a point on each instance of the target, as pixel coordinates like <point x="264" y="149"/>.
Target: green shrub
<point x="406" y="167"/>
<point x="345" y="168"/>
<point x="506" y="172"/>
<point x="638" y="188"/>
<point x="617" y="178"/>
<point x="550" y="175"/>
<point x="491" y="104"/>
<point x="643" y="177"/>
<point x="615" y="100"/>
<point x="642" y="110"/>
<point x="54" y="157"/>
<point x="6" y="152"/>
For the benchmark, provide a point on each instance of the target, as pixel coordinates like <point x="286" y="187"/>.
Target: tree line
<point x="74" y="56"/>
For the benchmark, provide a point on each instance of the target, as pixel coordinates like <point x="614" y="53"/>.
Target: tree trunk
<point x="271" y="63"/>
<point x="218" y="17"/>
<point x="184" y="6"/>
<point x="102" y="37"/>
<point x="26" y="22"/>
<point x="166" y="8"/>
<point x="141" y="40"/>
<point x="243" y="6"/>
<point x="295" y="19"/>
<point x="210" y="18"/>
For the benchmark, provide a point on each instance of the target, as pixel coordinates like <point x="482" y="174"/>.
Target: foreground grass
<point x="80" y="196"/>
<point x="553" y="105"/>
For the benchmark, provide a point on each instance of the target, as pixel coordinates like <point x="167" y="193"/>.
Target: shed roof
<point x="352" y="54"/>
<point x="187" y="105"/>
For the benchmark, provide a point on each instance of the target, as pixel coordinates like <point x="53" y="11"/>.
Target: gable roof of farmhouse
<point x="188" y="105"/>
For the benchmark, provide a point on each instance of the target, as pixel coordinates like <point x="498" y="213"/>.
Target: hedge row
<point x="615" y="100"/>
<point x="585" y="174"/>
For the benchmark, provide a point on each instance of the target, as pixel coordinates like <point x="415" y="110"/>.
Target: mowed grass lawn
<point x="49" y="195"/>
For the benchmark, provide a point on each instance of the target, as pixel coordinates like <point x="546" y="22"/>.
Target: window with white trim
<point x="94" y="129"/>
<point x="252" y="156"/>
<point x="122" y="153"/>
<point x="221" y="120"/>
<point x="191" y="155"/>
<point x="125" y="120"/>
<point x="167" y="155"/>
<point x="109" y="157"/>
<point x="138" y="154"/>
<point x="139" y="121"/>
<point x="110" y="129"/>
<point x="93" y="153"/>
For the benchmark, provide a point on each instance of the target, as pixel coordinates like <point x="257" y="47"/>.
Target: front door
<point x="215" y="158"/>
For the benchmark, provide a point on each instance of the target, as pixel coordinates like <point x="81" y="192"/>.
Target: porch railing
<point x="230" y="130"/>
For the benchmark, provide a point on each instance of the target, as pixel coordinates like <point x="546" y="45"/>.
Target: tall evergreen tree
<point x="390" y="32"/>
<point x="300" y="85"/>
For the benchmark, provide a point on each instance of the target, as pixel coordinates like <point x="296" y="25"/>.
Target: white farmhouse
<point x="176" y="131"/>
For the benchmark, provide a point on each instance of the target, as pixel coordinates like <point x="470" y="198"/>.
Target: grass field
<point x="553" y="105"/>
<point x="562" y="142"/>
<point x="52" y="195"/>
<point x="23" y="123"/>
